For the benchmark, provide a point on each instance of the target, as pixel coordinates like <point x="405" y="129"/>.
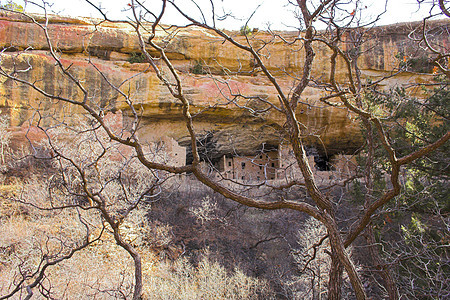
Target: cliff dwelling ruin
<point x="269" y="163"/>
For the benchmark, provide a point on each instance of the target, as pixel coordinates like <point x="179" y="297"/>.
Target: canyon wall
<point x="101" y="56"/>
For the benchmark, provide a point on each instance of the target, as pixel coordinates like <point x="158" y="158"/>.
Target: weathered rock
<point x="108" y="46"/>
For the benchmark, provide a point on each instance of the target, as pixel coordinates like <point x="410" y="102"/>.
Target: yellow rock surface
<point x="109" y="46"/>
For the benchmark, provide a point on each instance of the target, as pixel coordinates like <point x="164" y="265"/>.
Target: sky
<point x="275" y="13"/>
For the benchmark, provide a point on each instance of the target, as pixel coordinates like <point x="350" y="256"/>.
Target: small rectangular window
<point x="258" y="178"/>
<point x="273" y="165"/>
<point x="229" y="163"/>
<point x="243" y="165"/>
<point x="242" y="177"/>
<point x="260" y="167"/>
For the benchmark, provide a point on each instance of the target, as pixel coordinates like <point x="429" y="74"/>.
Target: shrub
<point x="245" y="30"/>
<point x="10" y="5"/>
<point x="208" y="280"/>
<point x="198" y="68"/>
<point x="137" y="58"/>
<point x="418" y="64"/>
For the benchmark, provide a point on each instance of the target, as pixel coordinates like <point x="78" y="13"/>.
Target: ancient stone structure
<point x="168" y="151"/>
<point x="262" y="166"/>
<point x="280" y="165"/>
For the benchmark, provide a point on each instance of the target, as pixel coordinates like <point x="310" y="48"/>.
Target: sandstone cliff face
<point x="108" y="47"/>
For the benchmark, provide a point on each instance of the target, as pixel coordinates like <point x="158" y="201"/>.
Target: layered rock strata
<point x="100" y="56"/>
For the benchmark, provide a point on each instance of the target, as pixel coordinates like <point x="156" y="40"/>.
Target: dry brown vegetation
<point x="32" y="234"/>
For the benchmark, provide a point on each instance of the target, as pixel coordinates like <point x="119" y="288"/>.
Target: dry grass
<point x="104" y="270"/>
<point x="208" y="280"/>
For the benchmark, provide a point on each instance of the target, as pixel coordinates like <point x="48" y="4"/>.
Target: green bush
<point x="137" y="58"/>
<point x="418" y="64"/>
<point x="198" y="68"/>
<point x="12" y="6"/>
<point x="245" y="30"/>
